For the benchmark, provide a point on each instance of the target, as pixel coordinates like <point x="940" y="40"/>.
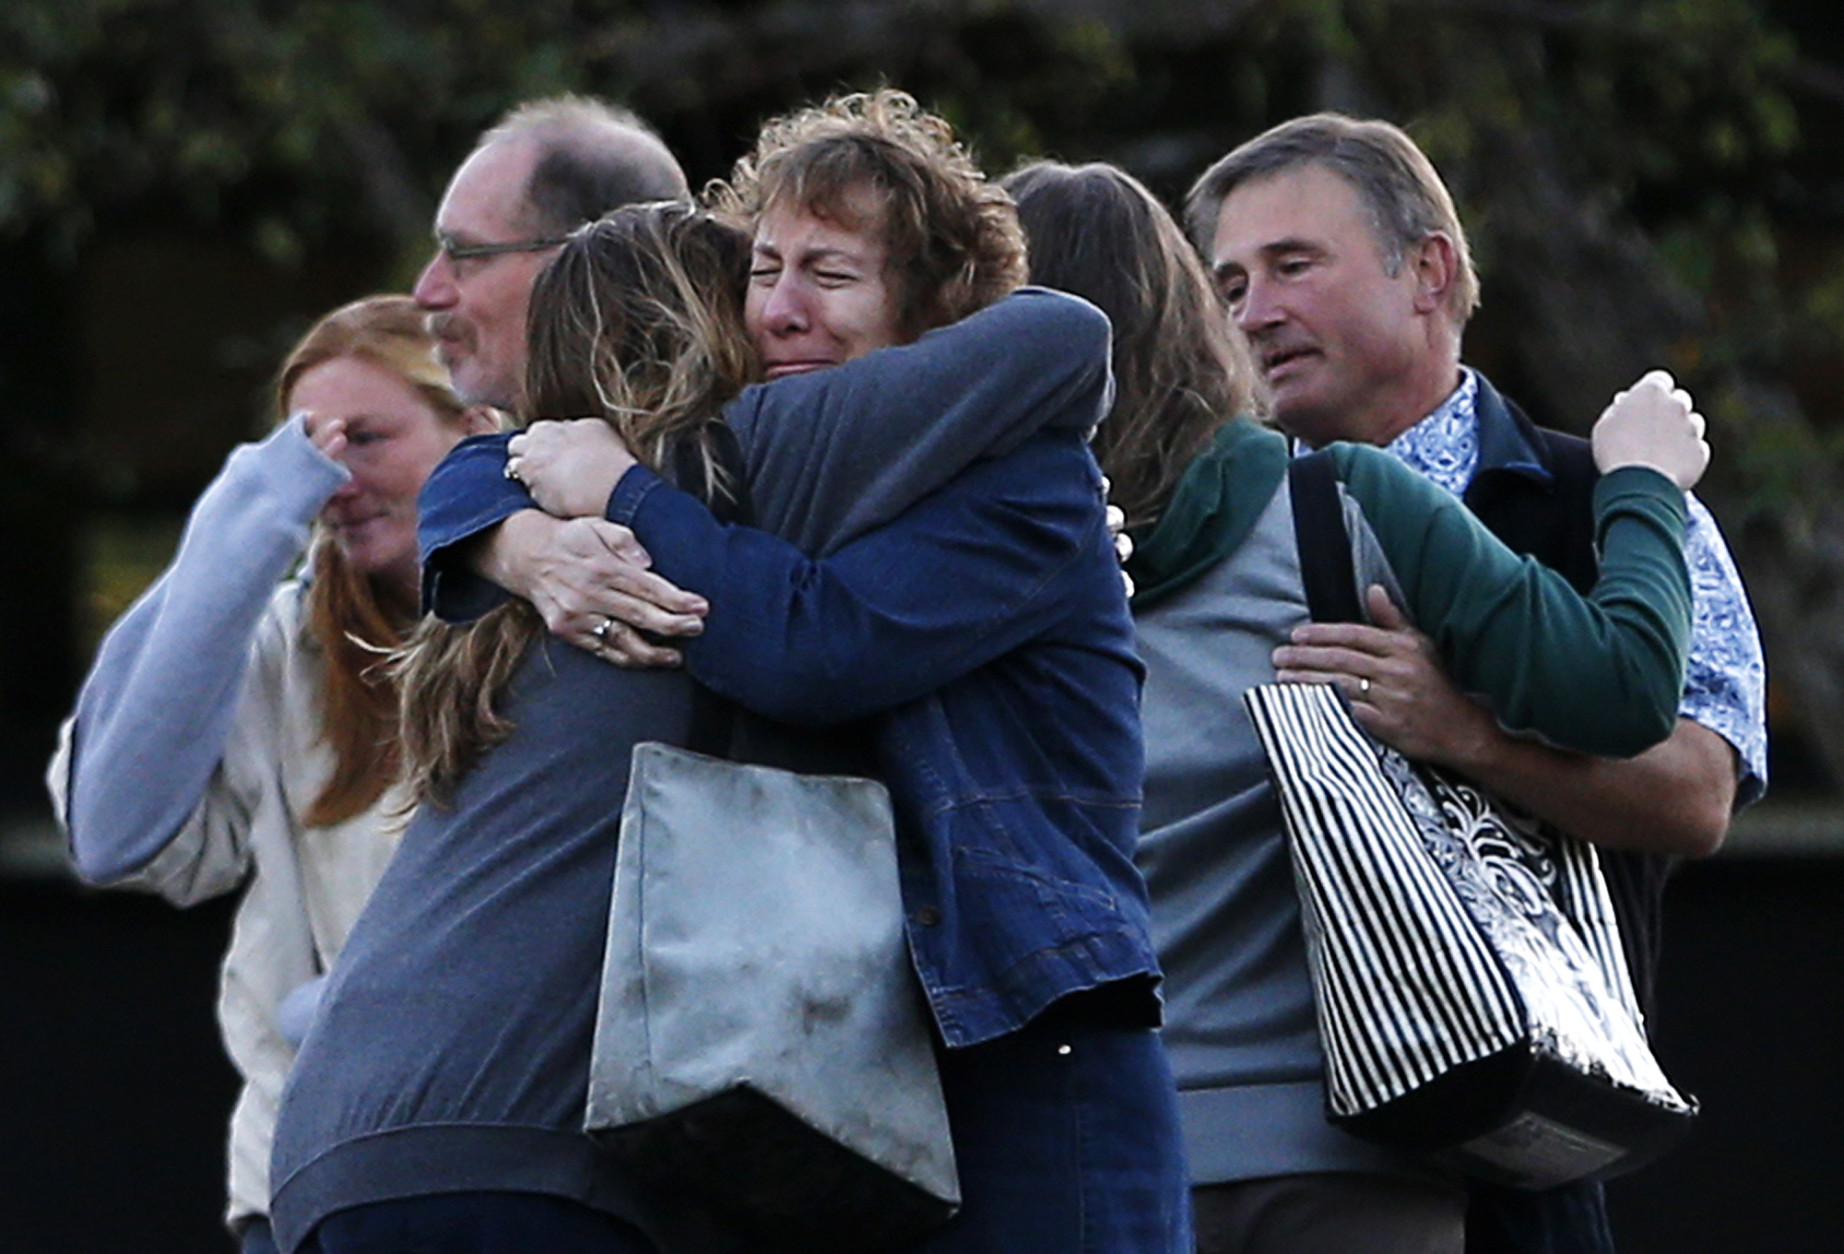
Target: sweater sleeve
<point x="160" y="703"/>
<point x="990" y="562"/>
<point x="832" y="454"/>
<point x="464" y="495"/>
<point x="1599" y="674"/>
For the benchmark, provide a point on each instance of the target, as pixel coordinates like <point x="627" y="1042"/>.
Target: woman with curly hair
<point x="933" y="581"/>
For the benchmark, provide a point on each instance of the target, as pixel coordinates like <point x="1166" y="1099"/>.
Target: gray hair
<point x="1399" y="187"/>
<point x="593" y="157"/>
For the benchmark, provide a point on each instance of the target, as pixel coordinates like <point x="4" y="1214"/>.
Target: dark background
<point x="115" y="1092"/>
<point x="185" y="184"/>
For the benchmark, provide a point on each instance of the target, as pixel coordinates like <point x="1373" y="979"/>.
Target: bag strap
<point x="1326" y="569"/>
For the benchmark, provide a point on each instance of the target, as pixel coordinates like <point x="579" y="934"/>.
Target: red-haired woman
<point x="236" y="729"/>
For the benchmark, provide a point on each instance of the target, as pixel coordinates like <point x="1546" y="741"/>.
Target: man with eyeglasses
<point x="545" y="168"/>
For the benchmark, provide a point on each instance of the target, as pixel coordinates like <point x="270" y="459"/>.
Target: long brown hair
<point x="638" y="320"/>
<point x="353" y="626"/>
<point x="1180" y="372"/>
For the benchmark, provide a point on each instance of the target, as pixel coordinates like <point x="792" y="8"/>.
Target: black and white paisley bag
<point x="1473" y="998"/>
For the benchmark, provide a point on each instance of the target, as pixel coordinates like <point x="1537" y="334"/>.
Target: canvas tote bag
<point x="762" y="1054"/>
<point x="1472" y="994"/>
<point x="761" y="1047"/>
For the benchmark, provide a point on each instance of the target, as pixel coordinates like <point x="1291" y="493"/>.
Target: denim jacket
<point x="983" y="633"/>
<point x="986" y="630"/>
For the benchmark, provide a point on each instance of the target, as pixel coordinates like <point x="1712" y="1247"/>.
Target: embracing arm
<point x="1677" y="798"/>
<point x="833" y="454"/>
<point x="1674" y="798"/>
<point x="463" y="501"/>
<point x="1598" y="675"/>
<point x="156" y="711"/>
<point x="828" y="456"/>
<point x="482" y="536"/>
<point x="966" y="576"/>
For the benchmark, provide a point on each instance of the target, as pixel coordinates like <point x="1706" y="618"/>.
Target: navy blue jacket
<point x="987" y="632"/>
<point x="1534" y="489"/>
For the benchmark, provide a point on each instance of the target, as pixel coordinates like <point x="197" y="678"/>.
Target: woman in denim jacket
<point x="978" y="643"/>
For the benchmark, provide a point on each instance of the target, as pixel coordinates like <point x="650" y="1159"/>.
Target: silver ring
<point x="512" y="469"/>
<point x="600" y="631"/>
<point x="1363" y="685"/>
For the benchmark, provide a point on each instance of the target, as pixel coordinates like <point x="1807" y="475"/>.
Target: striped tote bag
<point x="1472" y="995"/>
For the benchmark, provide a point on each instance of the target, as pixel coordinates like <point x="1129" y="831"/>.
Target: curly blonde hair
<point x="953" y="236"/>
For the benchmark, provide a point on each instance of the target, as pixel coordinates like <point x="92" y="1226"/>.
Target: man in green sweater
<point x="1338" y="251"/>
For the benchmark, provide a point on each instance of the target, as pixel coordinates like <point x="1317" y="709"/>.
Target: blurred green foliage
<point x="293" y="125"/>
<point x="1645" y="181"/>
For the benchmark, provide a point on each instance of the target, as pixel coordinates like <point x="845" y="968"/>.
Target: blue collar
<point x="1473" y="431"/>
<point x="1507" y="438"/>
<point x="1444" y="446"/>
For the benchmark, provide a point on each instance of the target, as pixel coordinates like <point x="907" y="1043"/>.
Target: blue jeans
<point x="1067" y="1141"/>
<point x="1330" y="1212"/>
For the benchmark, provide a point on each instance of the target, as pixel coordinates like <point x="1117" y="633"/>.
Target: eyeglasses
<point x="455" y="250"/>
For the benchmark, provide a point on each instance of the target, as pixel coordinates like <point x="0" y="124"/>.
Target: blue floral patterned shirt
<point x="1725" y="683"/>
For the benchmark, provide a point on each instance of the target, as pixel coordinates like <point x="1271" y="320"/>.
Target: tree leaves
<point x="1644" y="182"/>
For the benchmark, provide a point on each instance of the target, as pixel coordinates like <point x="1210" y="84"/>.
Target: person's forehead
<point x="1307" y="204"/>
<point x="486" y="197"/>
<point x="851" y="221"/>
<point x="355" y="382"/>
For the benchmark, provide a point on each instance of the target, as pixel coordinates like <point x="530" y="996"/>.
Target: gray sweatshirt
<point x="196" y="742"/>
